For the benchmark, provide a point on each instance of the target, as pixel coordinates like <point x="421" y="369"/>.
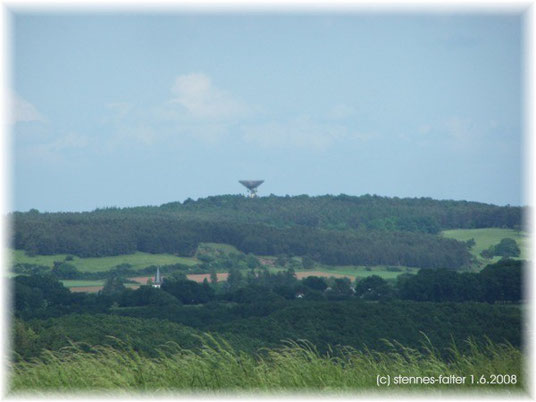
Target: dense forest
<point x="97" y="236"/>
<point x="370" y="212"/>
<point x="334" y="230"/>
<point x="261" y="309"/>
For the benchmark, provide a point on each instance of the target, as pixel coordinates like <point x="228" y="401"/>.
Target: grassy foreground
<point x="294" y="367"/>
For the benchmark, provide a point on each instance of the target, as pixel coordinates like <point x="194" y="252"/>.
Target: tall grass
<point x="216" y="366"/>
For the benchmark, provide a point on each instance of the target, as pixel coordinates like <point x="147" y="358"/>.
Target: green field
<point x="484" y="238"/>
<point x="81" y="283"/>
<point x="357" y="271"/>
<point x="137" y="260"/>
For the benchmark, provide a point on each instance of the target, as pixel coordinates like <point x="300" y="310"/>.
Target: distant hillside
<point x="370" y="212"/>
<point x="336" y="230"/>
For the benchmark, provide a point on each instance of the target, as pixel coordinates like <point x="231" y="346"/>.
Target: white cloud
<point x="455" y="128"/>
<point x="201" y="111"/>
<point x="23" y="111"/>
<point x="299" y="133"/>
<point x="460" y="133"/>
<point x="130" y="125"/>
<point x="68" y="142"/>
<point x="57" y="149"/>
<point x="201" y="99"/>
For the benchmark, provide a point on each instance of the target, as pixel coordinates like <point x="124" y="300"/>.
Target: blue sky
<point x="140" y="109"/>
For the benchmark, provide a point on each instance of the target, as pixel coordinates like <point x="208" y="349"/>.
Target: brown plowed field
<point x="94" y="289"/>
<point x="222" y="276"/>
<point x="89" y="289"/>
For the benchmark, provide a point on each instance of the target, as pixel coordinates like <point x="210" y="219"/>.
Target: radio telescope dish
<point x="251" y="185"/>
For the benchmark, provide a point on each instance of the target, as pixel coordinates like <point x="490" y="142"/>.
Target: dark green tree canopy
<point x="333" y="230"/>
<point x="373" y="288"/>
<point x="505" y="248"/>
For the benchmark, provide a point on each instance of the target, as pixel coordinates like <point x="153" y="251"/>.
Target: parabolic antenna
<point x="251" y="185"/>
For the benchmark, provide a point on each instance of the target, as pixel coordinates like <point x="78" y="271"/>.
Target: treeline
<point x="368" y="324"/>
<point x="114" y="232"/>
<point x="352" y="323"/>
<point x="499" y="282"/>
<point x="33" y="336"/>
<point x="258" y="290"/>
<point x="505" y="248"/>
<point x="368" y="212"/>
<point x="342" y="212"/>
<point x="248" y="327"/>
<point x="496" y="283"/>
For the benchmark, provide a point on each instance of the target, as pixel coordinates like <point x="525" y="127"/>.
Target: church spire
<point x="157" y="278"/>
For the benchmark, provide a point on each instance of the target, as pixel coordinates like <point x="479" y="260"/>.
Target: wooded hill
<point x="335" y="230"/>
<point x="367" y="212"/>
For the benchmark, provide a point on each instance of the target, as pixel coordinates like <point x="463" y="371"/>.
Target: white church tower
<point x="157" y="279"/>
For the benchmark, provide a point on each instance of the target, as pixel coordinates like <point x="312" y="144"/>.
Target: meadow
<point x="486" y="237"/>
<point x="75" y="283"/>
<point x="137" y="260"/>
<point x="352" y="272"/>
<point x="295" y="366"/>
